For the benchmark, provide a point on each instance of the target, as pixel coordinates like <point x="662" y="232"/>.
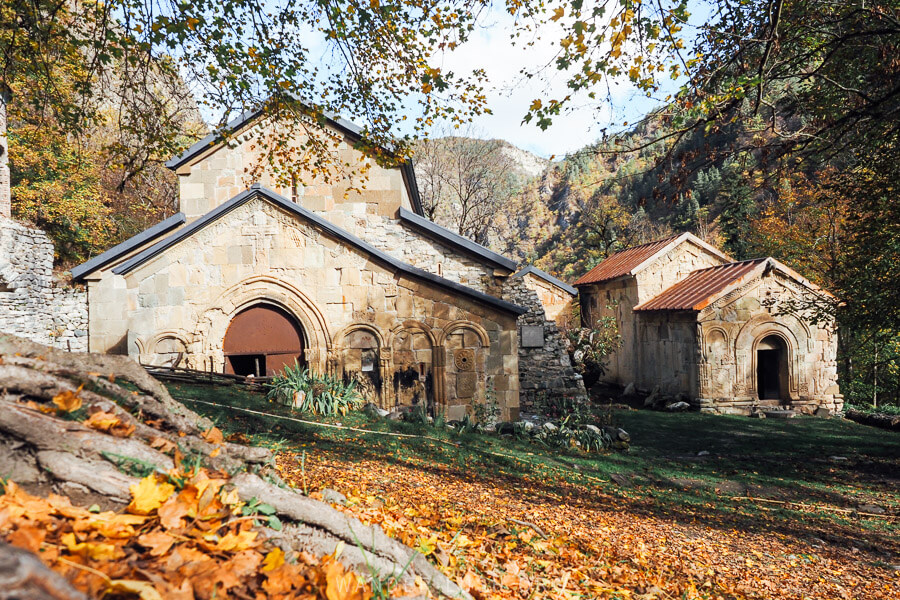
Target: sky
<point x="510" y="94"/>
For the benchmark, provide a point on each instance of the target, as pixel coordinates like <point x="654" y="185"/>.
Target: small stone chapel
<point x="698" y="325"/>
<point x="249" y="277"/>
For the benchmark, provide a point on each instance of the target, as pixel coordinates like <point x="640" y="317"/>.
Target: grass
<point x="684" y="467"/>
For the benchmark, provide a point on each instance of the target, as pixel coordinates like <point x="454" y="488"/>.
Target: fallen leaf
<point x="68" y="401"/>
<point x="149" y="494"/>
<point x="341" y="585"/>
<point x="214" y="436"/>
<point x="158" y="542"/>
<point x="273" y="560"/>
<point x="143" y="589"/>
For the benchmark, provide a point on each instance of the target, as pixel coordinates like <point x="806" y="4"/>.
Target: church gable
<point x="260" y="262"/>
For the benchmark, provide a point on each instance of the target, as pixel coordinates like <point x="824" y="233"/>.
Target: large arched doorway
<point x="261" y="340"/>
<point x="772" y="369"/>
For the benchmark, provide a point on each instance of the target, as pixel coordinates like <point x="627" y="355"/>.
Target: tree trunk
<point x="5" y="179"/>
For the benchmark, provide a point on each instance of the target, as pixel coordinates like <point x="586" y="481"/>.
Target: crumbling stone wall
<point x="31" y="306"/>
<point x="544" y="366"/>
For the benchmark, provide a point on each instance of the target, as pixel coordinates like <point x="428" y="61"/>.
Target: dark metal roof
<point x="622" y="263"/>
<point x="531" y="269"/>
<point x="347" y="127"/>
<point x="696" y="291"/>
<point x="455" y="240"/>
<point x="127" y="246"/>
<point x="282" y="202"/>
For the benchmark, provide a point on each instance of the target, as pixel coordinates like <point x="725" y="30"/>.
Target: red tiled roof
<point x="695" y="291"/>
<point x="622" y="263"/>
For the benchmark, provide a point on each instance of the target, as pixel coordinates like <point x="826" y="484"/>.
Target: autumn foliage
<point x="182" y="537"/>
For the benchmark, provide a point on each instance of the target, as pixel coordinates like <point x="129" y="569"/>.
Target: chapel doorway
<point x="771" y="369"/>
<point x="261" y="341"/>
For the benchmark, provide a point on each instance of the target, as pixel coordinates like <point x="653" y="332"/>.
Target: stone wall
<point x="31" y="306"/>
<point x="736" y="327"/>
<point x="183" y="300"/>
<point x="544" y="366"/>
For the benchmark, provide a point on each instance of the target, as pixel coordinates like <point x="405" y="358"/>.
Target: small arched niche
<point x="361" y="362"/>
<point x="772" y="370"/>
<point x="262" y="340"/>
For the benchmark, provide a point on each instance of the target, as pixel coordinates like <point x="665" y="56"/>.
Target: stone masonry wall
<point x="544" y="368"/>
<point x="31" y="306"/>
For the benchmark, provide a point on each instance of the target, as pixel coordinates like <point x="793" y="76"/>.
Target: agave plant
<point x="310" y="392"/>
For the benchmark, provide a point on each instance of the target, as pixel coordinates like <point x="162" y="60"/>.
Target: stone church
<point x="248" y="278"/>
<point x="697" y="324"/>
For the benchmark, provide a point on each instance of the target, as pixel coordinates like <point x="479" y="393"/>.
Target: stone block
<point x="532" y="336"/>
<point x="456" y="412"/>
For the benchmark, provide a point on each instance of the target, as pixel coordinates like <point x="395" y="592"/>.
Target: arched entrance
<point x="261" y="340"/>
<point x="772" y="369"/>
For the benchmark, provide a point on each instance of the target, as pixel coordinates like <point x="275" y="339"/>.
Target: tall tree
<point x="464" y="183"/>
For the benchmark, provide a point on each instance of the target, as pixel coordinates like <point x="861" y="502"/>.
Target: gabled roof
<point x="532" y="270"/>
<point x="703" y="287"/>
<point x="629" y="262"/>
<point x="132" y="243"/>
<point x="256" y="190"/>
<point x="697" y="291"/>
<point x="455" y="240"/>
<point x="346" y="127"/>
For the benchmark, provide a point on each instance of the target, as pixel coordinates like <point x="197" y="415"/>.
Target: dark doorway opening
<point x="261" y="341"/>
<point x="248" y="364"/>
<point x="771" y="369"/>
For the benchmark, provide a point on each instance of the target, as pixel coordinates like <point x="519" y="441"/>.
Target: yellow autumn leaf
<point x="273" y="560"/>
<point x="341" y="585"/>
<point x="558" y="14"/>
<point x="92" y="550"/>
<point x="102" y="421"/>
<point x="68" y="401"/>
<point x="535" y="105"/>
<point x="149" y="494"/>
<point x="143" y="589"/>
<point x="237" y="542"/>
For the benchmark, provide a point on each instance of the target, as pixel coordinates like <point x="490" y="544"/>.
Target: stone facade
<point x="557" y="302"/>
<point x="424" y="343"/>
<point x="720" y="340"/>
<point x="31" y="305"/>
<point x="619" y="296"/>
<point x="544" y="365"/>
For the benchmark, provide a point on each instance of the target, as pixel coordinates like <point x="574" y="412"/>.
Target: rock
<point x="621" y="479"/>
<point x="505" y="428"/>
<point x="629" y="390"/>
<point x="822" y="412"/>
<point x="651" y="399"/>
<point x="871" y="508"/>
<point x="550" y="426"/>
<point x="703" y="453"/>
<point x="838" y="458"/>
<point x="395" y="415"/>
<point x="758" y="415"/>
<point x="593" y="428"/>
<point x="678" y="407"/>
<point x="528" y="425"/>
<point x="780" y="413"/>
<point x="333" y="497"/>
<point x="374" y="411"/>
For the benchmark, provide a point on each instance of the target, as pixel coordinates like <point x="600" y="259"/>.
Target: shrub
<point x="309" y="392"/>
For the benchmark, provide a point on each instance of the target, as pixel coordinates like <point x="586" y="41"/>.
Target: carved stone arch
<point x="747" y="344"/>
<point x="708" y="339"/>
<point x="462" y="324"/>
<point x="350" y="359"/>
<point x="416" y="368"/>
<point x="341" y="335"/>
<point x="155" y="351"/>
<point x="209" y="333"/>
<point x="414" y="325"/>
<point x="789" y="322"/>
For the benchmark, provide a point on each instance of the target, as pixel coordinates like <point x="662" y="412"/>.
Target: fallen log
<point x="52" y="451"/>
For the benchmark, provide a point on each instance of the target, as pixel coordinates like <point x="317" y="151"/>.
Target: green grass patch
<point x="685" y="466"/>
